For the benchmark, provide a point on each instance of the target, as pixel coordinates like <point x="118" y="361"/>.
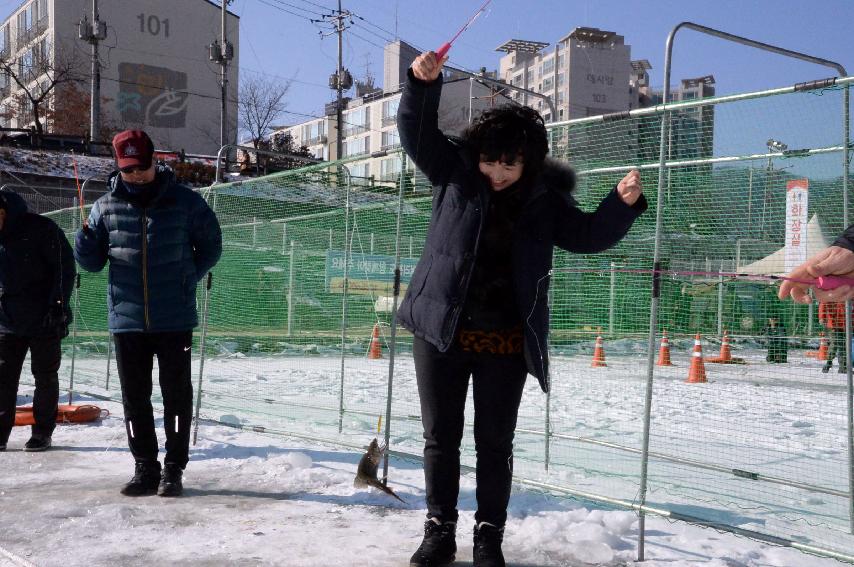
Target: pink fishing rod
<point x="443" y="50"/>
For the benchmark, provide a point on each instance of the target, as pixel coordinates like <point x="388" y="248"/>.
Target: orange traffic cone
<point x="822" y="347"/>
<point x="598" y="353"/>
<point x="664" y="352"/>
<point x="726" y="354"/>
<point x="375" y="350"/>
<point x="697" y="373"/>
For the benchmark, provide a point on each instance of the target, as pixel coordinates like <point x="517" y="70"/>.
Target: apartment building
<point x="370" y="120"/>
<point x="155" y="67"/>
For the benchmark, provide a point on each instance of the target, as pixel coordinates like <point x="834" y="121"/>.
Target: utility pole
<point x="222" y="52"/>
<point x="341" y="80"/>
<point x="94" y="34"/>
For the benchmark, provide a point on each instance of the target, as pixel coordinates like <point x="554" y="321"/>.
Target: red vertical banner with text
<point x="797" y="201"/>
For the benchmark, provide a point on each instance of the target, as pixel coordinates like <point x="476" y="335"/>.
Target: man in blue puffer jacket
<point x="160" y="239"/>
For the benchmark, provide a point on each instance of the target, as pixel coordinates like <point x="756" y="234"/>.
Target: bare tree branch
<point x="37" y="76"/>
<point x="260" y="104"/>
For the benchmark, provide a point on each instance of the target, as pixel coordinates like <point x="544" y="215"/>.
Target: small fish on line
<point x="366" y="473"/>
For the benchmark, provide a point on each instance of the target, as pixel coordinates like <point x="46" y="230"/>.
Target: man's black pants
<point x="498" y="382"/>
<point x="135" y="354"/>
<point x="45" y="357"/>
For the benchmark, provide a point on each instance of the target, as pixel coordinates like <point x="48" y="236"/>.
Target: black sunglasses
<point x="132" y="169"/>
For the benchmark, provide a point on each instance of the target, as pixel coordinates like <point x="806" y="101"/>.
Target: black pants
<point x="45" y="356"/>
<point x="836" y="347"/>
<point x="443" y="379"/>
<point x="135" y="354"/>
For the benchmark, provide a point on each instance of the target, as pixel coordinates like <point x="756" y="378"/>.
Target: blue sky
<point x="278" y="39"/>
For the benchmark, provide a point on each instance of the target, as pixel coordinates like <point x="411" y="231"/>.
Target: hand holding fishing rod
<point x="830" y="273"/>
<point x="427" y="67"/>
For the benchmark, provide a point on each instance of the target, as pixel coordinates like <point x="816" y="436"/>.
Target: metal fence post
<point x="348" y="244"/>
<point x="613" y="299"/>
<point x="291" y="290"/>
<point x="721" y="301"/>
<point x="392" y="347"/>
<point x="202" y="342"/>
<point x="74" y="334"/>
<point x="109" y="358"/>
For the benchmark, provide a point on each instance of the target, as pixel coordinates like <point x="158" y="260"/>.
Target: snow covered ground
<point x="260" y="499"/>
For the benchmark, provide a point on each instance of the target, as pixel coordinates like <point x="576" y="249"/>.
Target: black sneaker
<point x="37" y="443"/>
<point x="487" y="545"/>
<point x="439" y="546"/>
<point x="2" y="446"/>
<point x="170" y="481"/>
<point x="826" y="368"/>
<point x="146" y="477"/>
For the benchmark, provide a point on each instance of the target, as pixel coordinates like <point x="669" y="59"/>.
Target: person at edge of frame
<point x="160" y="238"/>
<point x="835" y="260"/>
<point x="36" y="280"/>
<point x="477" y="300"/>
<point x="778" y="342"/>
<point x="831" y="314"/>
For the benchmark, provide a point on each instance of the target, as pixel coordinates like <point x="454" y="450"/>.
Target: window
<point x="517" y="80"/>
<point x="357" y="121"/>
<point x="549" y="65"/>
<point x="561" y="79"/>
<point x="390" y="111"/>
<point x="391" y="139"/>
<point x="548" y="83"/>
<point x="313" y="133"/>
<point x="43" y="13"/>
<point x="390" y="169"/>
<point x="5" y="46"/>
<point x="561" y="59"/>
<point x="357" y="147"/>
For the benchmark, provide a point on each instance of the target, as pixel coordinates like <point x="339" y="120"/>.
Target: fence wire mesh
<point x="305" y="286"/>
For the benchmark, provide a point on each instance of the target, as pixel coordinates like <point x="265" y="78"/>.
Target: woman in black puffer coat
<point x="477" y="301"/>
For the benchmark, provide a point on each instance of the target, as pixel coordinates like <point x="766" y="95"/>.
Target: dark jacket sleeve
<point x="205" y="237"/>
<point x="846" y="240"/>
<point x="91" y="245"/>
<point x="60" y="258"/>
<point x="580" y="232"/>
<point x="418" y="126"/>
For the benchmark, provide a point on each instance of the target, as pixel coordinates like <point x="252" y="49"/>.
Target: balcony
<point x="389" y="120"/>
<point x="354" y="130"/>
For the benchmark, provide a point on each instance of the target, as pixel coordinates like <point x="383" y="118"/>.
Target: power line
<point x="283" y="3"/>
<point x="281" y="9"/>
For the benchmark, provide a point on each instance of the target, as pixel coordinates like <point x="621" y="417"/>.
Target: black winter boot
<point x="37" y="443"/>
<point x="439" y="546"/>
<point x="826" y="368"/>
<point x="170" y="481"/>
<point x="487" y="545"/>
<point x="146" y="476"/>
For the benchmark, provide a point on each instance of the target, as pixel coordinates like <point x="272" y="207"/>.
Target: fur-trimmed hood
<point x="558" y="175"/>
